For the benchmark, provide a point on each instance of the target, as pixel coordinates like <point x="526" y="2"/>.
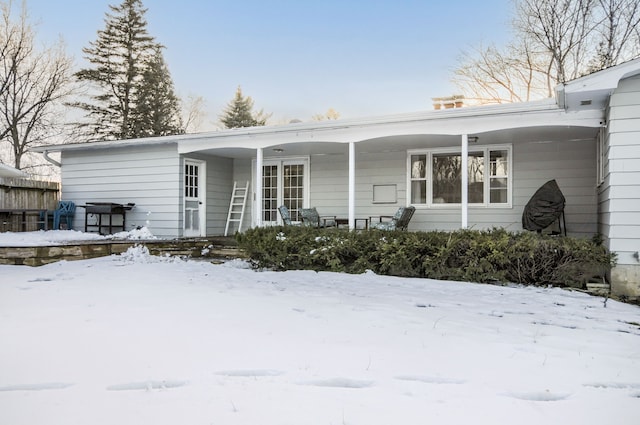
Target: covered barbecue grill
<point x="545" y="207"/>
<point x="103" y="213"/>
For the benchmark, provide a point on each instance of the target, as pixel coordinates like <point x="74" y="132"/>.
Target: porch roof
<point x="498" y="123"/>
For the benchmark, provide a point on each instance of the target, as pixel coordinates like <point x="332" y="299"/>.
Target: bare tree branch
<point x="33" y="83"/>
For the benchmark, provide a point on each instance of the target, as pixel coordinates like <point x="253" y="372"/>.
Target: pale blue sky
<point x="299" y="58"/>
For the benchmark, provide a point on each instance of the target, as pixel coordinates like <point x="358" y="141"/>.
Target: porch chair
<point x="399" y="221"/>
<point x="311" y="218"/>
<point x="65" y="211"/>
<point x="286" y="216"/>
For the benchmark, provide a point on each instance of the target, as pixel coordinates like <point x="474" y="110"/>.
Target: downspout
<point x="352" y="184"/>
<point x="464" y="195"/>
<point x="46" y="156"/>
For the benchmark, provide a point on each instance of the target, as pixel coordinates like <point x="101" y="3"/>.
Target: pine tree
<point x="125" y="101"/>
<point x="239" y="113"/>
<point x="157" y="112"/>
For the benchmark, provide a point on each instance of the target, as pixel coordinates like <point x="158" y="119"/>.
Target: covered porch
<point x="356" y="171"/>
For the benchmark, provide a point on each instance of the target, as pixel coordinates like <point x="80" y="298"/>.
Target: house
<point x="587" y="139"/>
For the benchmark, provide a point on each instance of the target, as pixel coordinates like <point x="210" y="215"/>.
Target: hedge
<point x="484" y="256"/>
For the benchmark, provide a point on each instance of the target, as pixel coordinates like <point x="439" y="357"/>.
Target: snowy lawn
<point x="136" y="339"/>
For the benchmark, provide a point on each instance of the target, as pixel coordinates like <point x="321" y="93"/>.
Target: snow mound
<point x="140" y="254"/>
<point x="142" y="233"/>
<point x="237" y="264"/>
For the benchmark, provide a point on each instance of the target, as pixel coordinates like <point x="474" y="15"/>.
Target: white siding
<point x="572" y="164"/>
<point x="242" y="174"/>
<point x="620" y="192"/>
<point x="219" y="188"/>
<point x="147" y="176"/>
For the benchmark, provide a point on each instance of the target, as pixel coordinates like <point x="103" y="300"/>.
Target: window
<point x="435" y="177"/>
<point x="601" y="156"/>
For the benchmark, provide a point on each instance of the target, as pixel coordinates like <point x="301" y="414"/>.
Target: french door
<point x="194" y="198"/>
<point x="284" y="182"/>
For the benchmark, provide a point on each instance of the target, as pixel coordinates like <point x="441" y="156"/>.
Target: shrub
<point x="488" y="256"/>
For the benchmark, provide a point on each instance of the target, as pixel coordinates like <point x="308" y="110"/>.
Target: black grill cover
<point x="544" y="207"/>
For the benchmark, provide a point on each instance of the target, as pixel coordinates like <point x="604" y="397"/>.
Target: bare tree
<point x="555" y="41"/>
<point x="34" y="83"/>
<point x="617" y="33"/>
<point x="516" y="74"/>
<point x="331" y="114"/>
<point x="193" y="113"/>
<point x="562" y="28"/>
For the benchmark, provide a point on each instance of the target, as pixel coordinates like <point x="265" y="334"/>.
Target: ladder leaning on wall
<point x="237" y="206"/>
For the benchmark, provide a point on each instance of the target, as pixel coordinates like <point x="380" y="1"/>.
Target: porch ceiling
<point x="414" y="141"/>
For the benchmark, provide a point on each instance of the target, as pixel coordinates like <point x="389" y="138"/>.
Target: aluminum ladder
<point x="237" y="206"/>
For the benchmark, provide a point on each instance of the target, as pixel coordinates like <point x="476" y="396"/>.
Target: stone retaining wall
<point x="214" y="249"/>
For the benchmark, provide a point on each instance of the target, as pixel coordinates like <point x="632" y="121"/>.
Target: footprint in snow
<point x="37" y="387"/>
<point x="430" y="379"/>
<point x="614" y="385"/>
<point x="538" y="396"/>
<point x="339" y="383"/>
<point x="634" y="386"/>
<point x="250" y="373"/>
<point x="41" y="279"/>
<point x="147" y="385"/>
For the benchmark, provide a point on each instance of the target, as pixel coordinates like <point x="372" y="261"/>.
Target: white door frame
<point x="200" y="199"/>
<point x="279" y="161"/>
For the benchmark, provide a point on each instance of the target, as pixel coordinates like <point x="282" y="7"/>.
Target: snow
<point x="137" y="339"/>
<point x="54" y="237"/>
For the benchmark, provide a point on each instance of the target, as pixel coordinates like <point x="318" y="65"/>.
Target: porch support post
<point x="464" y="199"/>
<point x="258" y="186"/>
<point x="352" y="185"/>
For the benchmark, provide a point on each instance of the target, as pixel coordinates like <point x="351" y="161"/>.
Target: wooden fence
<point x="19" y="194"/>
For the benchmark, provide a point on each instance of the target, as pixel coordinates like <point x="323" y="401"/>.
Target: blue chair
<point x="66" y="210"/>
<point x="286" y="216"/>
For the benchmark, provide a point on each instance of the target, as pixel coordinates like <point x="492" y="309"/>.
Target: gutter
<point x="46" y="156"/>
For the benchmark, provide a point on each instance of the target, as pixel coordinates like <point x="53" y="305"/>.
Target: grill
<point x="104" y="213"/>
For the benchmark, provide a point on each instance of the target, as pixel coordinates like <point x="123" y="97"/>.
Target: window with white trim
<point x="435" y="176"/>
<point x="601" y="156"/>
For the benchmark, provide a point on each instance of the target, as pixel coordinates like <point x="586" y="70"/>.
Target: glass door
<point x="284" y="182"/>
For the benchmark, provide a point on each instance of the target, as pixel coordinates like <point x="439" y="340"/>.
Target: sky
<point x="298" y="58"/>
<point x="137" y="339"/>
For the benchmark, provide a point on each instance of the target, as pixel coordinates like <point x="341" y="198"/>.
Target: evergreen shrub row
<point x="488" y="256"/>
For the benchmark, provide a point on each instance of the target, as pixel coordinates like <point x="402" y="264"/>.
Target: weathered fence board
<point x="18" y="193"/>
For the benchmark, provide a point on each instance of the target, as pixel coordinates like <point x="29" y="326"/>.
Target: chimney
<point x="449" y="102"/>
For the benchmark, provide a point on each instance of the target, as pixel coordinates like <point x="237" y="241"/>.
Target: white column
<point x="464" y="198"/>
<point x="352" y="185"/>
<point x="258" y="186"/>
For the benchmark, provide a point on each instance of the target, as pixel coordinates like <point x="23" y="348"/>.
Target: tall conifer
<point x="124" y="80"/>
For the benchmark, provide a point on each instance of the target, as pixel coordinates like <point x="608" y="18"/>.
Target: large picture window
<point x="435" y="177"/>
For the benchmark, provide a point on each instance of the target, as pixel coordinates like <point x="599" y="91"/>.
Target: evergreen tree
<point x="127" y="77"/>
<point x="239" y="113"/>
<point x="157" y="112"/>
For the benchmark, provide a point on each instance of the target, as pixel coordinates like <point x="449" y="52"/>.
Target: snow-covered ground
<point x="53" y="237"/>
<point x="136" y="339"/>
